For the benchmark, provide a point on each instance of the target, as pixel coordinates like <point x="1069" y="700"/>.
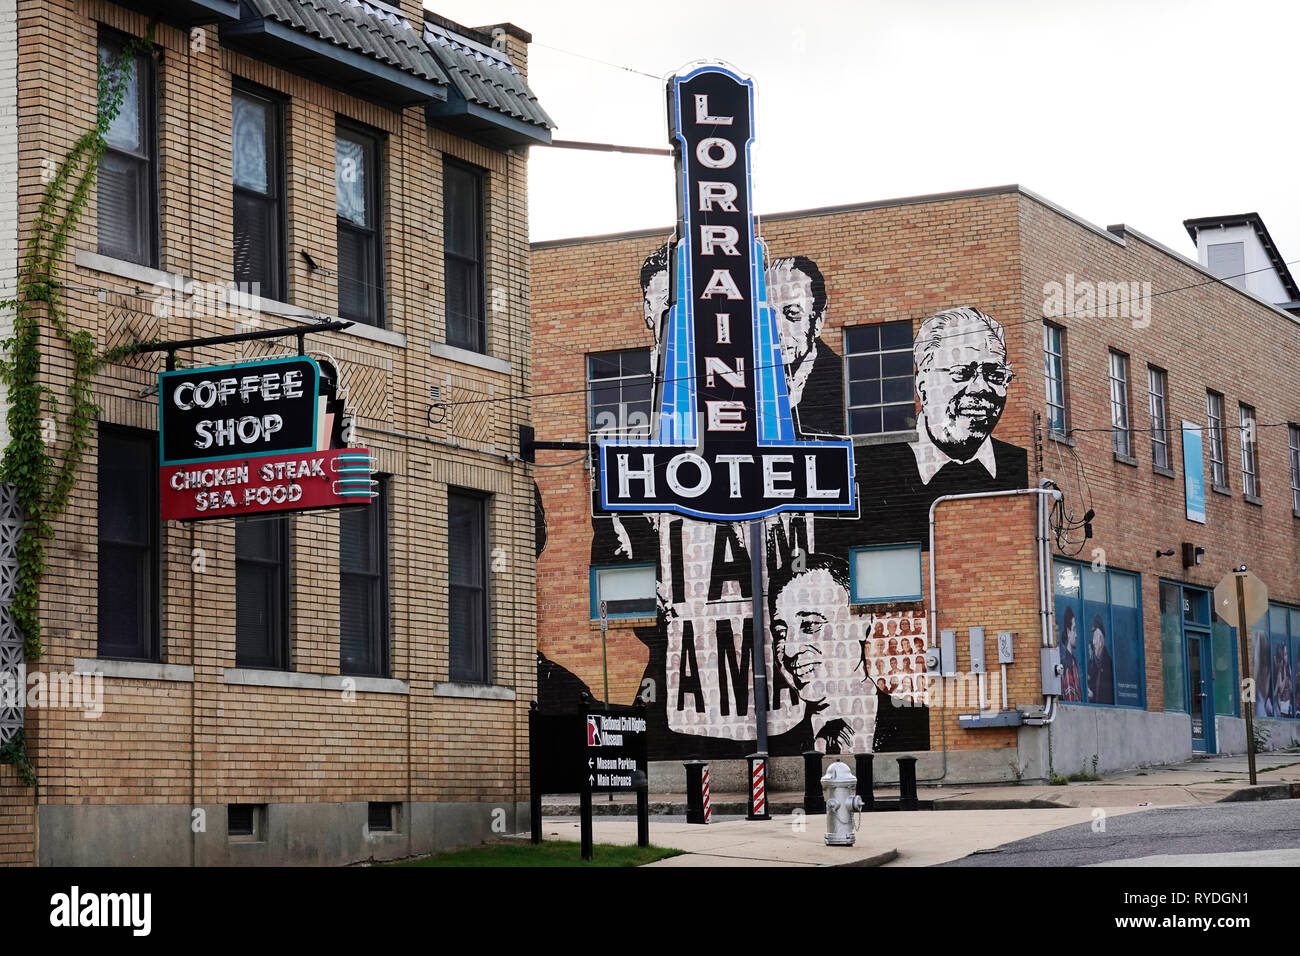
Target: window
<point x="128" y="544"/>
<point x="1214" y="417"/>
<point x="885" y="574"/>
<point x="246" y="822"/>
<point x="382" y="817"/>
<point x="881" y="383"/>
<point x="257" y="148"/>
<point x="128" y="173"/>
<point x="1054" y="360"/>
<point x="1293" y="440"/>
<point x="628" y="590"/>
<point x="468" y="605"/>
<point x="1249" y="453"/>
<point x="1099" y="633"/>
<point x="360" y="236"/>
<point x="462" y="248"/>
<point x="262" y="586"/>
<point x="1273" y="662"/>
<point x="618" y="392"/>
<point x="1158" y="392"/>
<point x="1119" y="417"/>
<point x="363" y="587"/>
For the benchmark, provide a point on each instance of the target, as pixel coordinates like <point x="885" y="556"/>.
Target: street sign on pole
<point x="1240" y="598"/>
<point x="1255" y="592"/>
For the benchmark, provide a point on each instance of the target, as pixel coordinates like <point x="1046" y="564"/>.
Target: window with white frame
<point x="880" y="575"/>
<point x="1214" y="418"/>
<point x="1293" y="433"/>
<point x="1119" y="406"/>
<point x="1158" y="392"/>
<point x="628" y="590"/>
<point x="1054" y="363"/>
<point x="619" y="391"/>
<point x="1249" y="452"/>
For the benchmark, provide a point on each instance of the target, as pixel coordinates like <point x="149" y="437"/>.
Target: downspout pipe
<point x="1044" y="606"/>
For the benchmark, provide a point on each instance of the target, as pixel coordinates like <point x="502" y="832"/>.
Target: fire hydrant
<point x="840" y="789"/>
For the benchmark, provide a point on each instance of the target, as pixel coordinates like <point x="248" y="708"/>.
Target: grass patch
<point x="1080" y="776"/>
<point x="547" y="853"/>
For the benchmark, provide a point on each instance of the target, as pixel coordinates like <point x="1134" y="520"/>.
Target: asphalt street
<point x="1216" y="834"/>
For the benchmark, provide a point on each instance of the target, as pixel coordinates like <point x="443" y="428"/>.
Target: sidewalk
<point x="981" y="817"/>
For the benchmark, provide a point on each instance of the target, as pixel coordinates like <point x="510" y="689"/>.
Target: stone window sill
<point x="253" y="677"/>
<point x="1221" y="489"/>
<point x="134" y="670"/>
<point x="1063" y="439"/>
<point x="476" y="691"/>
<point x="887" y="438"/>
<point x="168" y="282"/>
<point x="1162" y="470"/>
<point x="1252" y="499"/>
<point x="466" y="357"/>
<point x="286" y="310"/>
<point x="1126" y="459"/>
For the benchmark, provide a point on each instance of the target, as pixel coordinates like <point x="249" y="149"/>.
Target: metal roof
<point x="485" y="76"/>
<point x="373" y="29"/>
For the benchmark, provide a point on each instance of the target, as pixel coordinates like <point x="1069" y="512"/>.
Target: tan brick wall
<point x="907" y="260"/>
<point x="1206" y="335"/>
<point x="209" y="741"/>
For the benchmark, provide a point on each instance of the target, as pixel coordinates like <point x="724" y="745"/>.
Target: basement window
<point x="246" y="822"/>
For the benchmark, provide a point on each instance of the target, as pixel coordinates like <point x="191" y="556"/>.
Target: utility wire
<point x="1010" y="324"/>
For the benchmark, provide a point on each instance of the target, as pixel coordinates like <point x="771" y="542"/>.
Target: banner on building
<point x="1193" y="472"/>
<point x="254" y="438"/>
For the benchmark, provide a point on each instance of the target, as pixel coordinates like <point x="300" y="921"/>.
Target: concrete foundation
<point x="1231" y="734"/>
<point x="1116" y="738"/>
<point x="294" y="834"/>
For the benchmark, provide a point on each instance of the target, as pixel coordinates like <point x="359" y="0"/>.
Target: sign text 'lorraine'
<point x="723" y="444"/>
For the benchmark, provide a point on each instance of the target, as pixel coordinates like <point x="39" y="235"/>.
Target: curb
<point x="880" y="859"/>
<point x="1272" y="791"/>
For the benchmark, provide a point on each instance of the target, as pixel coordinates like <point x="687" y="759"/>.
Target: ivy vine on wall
<point x="42" y="458"/>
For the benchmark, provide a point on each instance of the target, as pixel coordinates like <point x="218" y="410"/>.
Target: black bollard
<point x="907" y="783"/>
<point x="695" y="791"/>
<point x="866" y="781"/>
<point x="814" y="801"/>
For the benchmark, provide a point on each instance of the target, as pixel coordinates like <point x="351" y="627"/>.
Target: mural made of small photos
<point x="844" y="676"/>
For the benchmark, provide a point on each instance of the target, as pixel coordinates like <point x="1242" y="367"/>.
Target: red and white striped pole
<point x="704" y="792"/>
<point x="758" y="787"/>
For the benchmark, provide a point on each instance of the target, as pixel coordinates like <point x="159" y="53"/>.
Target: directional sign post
<point x="1239" y="598"/>
<point x="616" y="763"/>
<point x="600" y="749"/>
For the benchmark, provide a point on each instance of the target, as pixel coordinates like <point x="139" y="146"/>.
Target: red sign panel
<point x="235" y="487"/>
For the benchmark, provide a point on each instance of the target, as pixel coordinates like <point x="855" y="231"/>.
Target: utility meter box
<point x="977" y="650"/>
<point x="948" y="653"/>
<point x="1052" y="671"/>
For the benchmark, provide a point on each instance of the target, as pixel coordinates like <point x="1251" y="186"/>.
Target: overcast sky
<point x="1146" y="112"/>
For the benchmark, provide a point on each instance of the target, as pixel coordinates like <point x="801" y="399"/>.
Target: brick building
<point x="1004" y="368"/>
<point x="326" y="686"/>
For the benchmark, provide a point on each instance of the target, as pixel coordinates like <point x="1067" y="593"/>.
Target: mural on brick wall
<point x="843" y="678"/>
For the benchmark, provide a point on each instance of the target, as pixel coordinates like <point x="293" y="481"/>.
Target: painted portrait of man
<point x="818" y="654"/>
<point x="962" y="375"/>
<point x="796" y="293"/>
